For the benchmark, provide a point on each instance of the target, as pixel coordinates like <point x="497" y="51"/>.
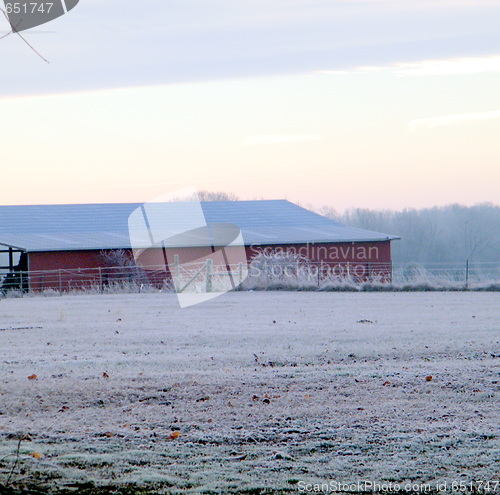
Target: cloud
<point x="102" y="45"/>
<point x="446" y="67"/>
<point x="278" y="139"/>
<point x="449" y="120"/>
<point x="476" y="65"/>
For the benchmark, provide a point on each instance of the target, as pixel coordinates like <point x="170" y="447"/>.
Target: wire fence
<point x="466" y="272"/>
<point x="305" y="274"/>
<point x="199" y="277"/>
<point x="263" y="274"/>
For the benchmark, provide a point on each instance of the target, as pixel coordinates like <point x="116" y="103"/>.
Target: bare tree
<point x="331" y="213"/>
<point x="477" y="229"/>
<point x="217" y="196"/>
<point x="122" y="266"/>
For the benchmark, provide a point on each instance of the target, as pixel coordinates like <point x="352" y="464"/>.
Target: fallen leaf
<point x="174" y="435"/>
<point x="428" y="378"/>
<point x="32" y="377"/>
<point x="36" y="455"/>
<point x="105" y="375"/>
<point x="386" y="383"/>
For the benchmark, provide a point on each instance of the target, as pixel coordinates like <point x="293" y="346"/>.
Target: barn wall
<point x="331" y="253"/>
<point x="361" y="261"/>
<point x="56" y="260"/>
<point x="60" y="269"/>
<point x="71" y="269"/>
<point x="63" y="270"/>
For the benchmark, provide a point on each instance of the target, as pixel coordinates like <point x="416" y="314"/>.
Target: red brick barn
<point x="71" y="246"/>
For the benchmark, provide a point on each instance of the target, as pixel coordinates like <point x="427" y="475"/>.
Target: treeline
<point x="452" y="233"/>
<point x="446" y="234"/>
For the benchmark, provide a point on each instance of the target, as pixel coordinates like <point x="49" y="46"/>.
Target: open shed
<point x="64" y="246"/>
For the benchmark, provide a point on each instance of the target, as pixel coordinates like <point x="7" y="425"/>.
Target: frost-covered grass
<point x="266" y="390"/>
<point x="292" y="272"/>
<point x="419" y="282"/>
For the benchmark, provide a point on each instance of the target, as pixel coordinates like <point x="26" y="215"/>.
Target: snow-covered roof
<point x="105" y="226"/>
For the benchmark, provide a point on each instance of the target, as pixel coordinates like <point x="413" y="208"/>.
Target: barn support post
<point x="209" y="275"/>
<point x="11" y="259"/>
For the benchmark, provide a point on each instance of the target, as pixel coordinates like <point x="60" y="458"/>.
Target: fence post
<point x="240" y="273"/>
<point x="60" y="283"/>
<point x="467" y="274"/>
<point x="209" y="275"/>
<point x="100" y="280"/>
<point x="176" y="266"/>
<point x="177" y="273"/>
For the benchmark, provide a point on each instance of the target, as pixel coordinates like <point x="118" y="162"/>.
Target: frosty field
<point x="253" y="392"/>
